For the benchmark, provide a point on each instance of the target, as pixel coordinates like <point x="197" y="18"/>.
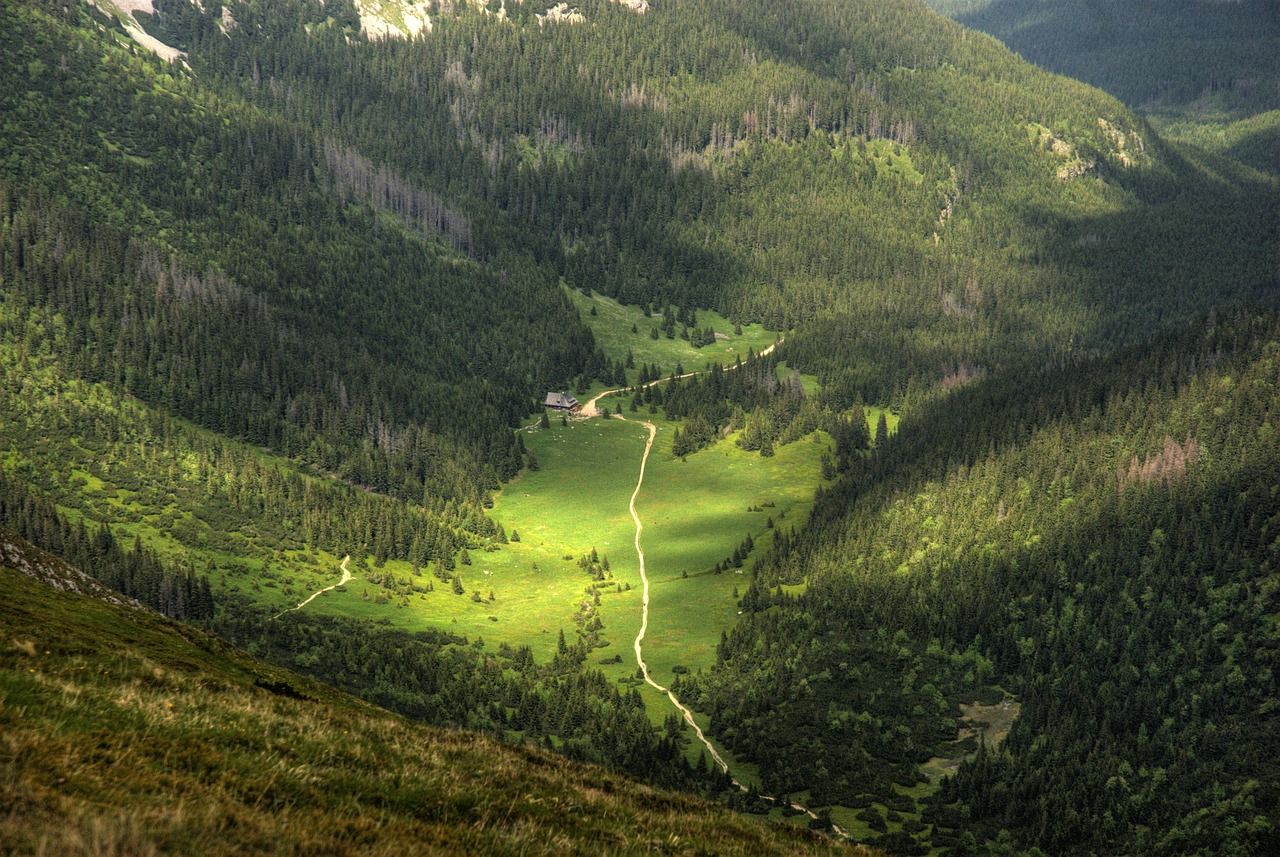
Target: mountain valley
<point x="931" y="470"/>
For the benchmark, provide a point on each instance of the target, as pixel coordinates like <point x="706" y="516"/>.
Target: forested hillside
<point x="1100" y="540"/>
<point x="1203" y="72"/>
<point x="1148" y="53"/>
<point x="194" y="252"/>
<point x="290" y="302"/>
<point x="787" y="164"/>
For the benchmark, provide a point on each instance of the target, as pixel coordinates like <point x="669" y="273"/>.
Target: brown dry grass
<point x="118" y="736"/>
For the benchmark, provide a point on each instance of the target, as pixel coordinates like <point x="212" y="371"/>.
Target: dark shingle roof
<point x="560" y="400"/>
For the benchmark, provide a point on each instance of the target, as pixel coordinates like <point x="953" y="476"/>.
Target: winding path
<point x="590" y="410"/>
<point x="644" y="608"/>
<point x="346" y="576"/>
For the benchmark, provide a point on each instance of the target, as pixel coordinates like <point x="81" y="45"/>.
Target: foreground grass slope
<point x="126" y="733"/>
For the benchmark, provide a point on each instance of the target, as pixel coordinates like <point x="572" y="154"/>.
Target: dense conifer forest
<point x="295" y="295"/>
<point x="1100" y="543"/>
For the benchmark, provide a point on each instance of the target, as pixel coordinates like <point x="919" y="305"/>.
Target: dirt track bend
<point x="590" y="409"/>
<point x="346" y="576"/>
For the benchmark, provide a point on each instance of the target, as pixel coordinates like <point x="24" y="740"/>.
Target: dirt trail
<point x="644" y="619"/>
<point x="590" y="409"/>
<point x="346" y="577"/>
<point x="644" y="607"/>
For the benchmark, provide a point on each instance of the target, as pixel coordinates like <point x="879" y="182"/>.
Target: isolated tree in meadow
<point x="882" y="429"/>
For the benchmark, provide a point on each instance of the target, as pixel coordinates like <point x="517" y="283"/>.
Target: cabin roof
<point x="560" y="400"/>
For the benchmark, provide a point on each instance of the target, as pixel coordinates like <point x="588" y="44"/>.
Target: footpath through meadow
<point x="346" y="577"/>
<point x="589" y="410"/>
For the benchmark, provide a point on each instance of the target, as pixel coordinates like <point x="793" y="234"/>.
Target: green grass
<point x="123" y="733"/>
<point x="577" y="500"/>
<point x="696" y="511"/>
<point x="612" y="328"/>
<point x="809" y="383"/>
<point x="873" y="413"/>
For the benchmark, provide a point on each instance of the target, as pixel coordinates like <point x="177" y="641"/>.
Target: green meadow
<point x="533" y="588"/>
<point x="612" y="325"/>
<point x="696" y="511"/>
<point x="150" y="481"/>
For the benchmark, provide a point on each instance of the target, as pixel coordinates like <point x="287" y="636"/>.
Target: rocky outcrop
<point x="19" y="554"/>
<point x="124" y="11"/>
<point x="392" y="19"/>
<point x="561" y="14"/>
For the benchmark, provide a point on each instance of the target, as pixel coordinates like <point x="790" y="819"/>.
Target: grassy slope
<point x="125" y="733"/>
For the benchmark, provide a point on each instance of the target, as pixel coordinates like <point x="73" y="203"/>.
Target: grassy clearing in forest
<point x="696" y="512"/>
<point x="575" y="501"/>
<point x="612" y="328"/>
<point x="988" y="723"/>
